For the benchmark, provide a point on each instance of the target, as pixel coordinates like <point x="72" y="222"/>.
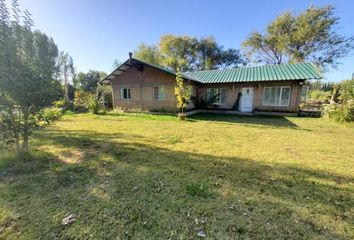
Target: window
<point x="276" y="96"/>
<point x="125" y="93"/>
<point x="217" y="95"/>
<point x="159" y="93"/>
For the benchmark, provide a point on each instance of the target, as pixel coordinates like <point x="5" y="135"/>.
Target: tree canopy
<point x="27" y="68"/>
<point x="308" y="36"/>
<point x="88" y="81"/>
<point x="189" y="53"/>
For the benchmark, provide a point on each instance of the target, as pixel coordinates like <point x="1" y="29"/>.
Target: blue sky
<point x="95" y="32"/>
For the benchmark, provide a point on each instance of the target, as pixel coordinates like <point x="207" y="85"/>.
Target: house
<point x="140" y="85"/>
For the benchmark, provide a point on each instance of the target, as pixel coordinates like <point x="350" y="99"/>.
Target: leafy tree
<point x="308" y="36"/>
<point x="88" y="81"/>
<point x="148" y="53"/>
<point x="66" y="71"/>
<point x="27" y="69"/>
<point x="183" y="93"/>
<point x="179" y="51"/>
<point x="189" y="53"/>
<point x="210" y="55"/>
<point x="347" y="90"/>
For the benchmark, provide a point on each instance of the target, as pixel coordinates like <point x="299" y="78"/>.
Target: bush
<point x="82" y="100"/>
<point x="340" y="112"/>
<point x="93" y="105"/>
<point x="51" y="114"/>
<point x="320" y="95"/>
<point x="64" y="105"/>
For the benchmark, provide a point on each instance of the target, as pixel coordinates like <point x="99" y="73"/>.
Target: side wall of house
<point x="141" y="85"/>
<point x="234" y="88"/>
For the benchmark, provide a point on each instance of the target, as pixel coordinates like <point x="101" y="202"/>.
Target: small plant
<point x="183" y="94"/>
<point x="174" y="139"/>
<point x="199" y="190"/>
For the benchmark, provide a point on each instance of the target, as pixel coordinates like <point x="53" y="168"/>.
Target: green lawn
<point x="140" y="176"/>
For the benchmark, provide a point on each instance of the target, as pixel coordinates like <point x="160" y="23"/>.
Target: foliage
<point x="183" y="92"/>
<point x="308" y="36"/>
<point x="51" y="114"/>
<point x="340" y="112"/>
<point x="88" y="81"/>
<point x="149" y="53"/>
<point x="105" y="95"/>
<point x="320" y="85"/>
<point x="82" y="99"/>
<point x="93" y="105"/>
<point x="66" y="71"/>
<point x="63" y="104"/>
<point x="320" y="95"/>
<point x="189" y="53"/>
<point x="346" y="88"/>
<point x="27" y="69"/>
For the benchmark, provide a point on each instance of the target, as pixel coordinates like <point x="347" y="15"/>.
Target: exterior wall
<point x="234" y="88"/>
<point x="141" y="86"/>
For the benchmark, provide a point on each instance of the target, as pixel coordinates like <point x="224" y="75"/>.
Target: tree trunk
<point x="66" y="88"/>
<point x="25" y="132"/>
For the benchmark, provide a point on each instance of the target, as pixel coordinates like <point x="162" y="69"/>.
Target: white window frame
<point x="279" y="101"/>
<point x="218" y="90"/>
<point x="129" y="96"/>
<point x="159" y="98"/>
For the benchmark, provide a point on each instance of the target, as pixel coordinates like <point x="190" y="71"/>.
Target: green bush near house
<point x="340" y="112"/>
<point x="320" y="95"/>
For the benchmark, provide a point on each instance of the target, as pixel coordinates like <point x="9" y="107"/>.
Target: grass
<point x="141" y="176"/>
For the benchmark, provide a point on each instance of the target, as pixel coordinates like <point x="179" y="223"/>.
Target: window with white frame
<point x="276" y="96"/>
<point x="217" y="95"/>
<point x="125" y="93"/>
<point x="159" y="93"/>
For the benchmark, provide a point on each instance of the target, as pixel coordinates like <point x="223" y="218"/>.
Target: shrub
<point x="93" y="105"/>
<point x="320" y="95"/>
<point x="82" y="99"/>
<point x="64" y="105"/>
<point x="340" y="112"/>
<point x="51" y="114"/>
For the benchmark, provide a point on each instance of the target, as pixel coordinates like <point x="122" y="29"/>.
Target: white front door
<point x="246" y="101"/>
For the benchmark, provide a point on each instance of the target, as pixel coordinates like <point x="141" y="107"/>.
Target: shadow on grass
<point x="133" y="190"/>
<point x="270" y="121"/>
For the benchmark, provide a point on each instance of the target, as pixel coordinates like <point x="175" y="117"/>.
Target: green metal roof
<point x="299" y="71"/>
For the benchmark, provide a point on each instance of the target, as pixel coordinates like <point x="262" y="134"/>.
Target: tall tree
<point x="27" y="67"/>
<point x="309" y="36"/>
<point x="179" y="52"/>
<point x="210" y="55"/>
<point x="148" y="53"/>
<point x="189" y="53"/>
<point x="88" y="81"/>
<point x="66" y="71"/>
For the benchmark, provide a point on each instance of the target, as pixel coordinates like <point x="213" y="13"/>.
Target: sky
<point x="95" y="32"/>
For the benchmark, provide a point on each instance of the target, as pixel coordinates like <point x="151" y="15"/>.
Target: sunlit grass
<point x="141" y="176"/>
